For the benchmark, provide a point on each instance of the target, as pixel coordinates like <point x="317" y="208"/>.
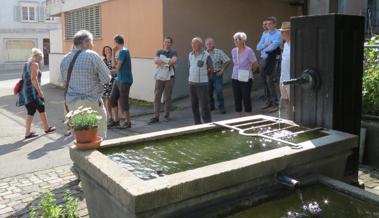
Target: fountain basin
<point x="319" y="196"/>
<point x="113" y="191"/>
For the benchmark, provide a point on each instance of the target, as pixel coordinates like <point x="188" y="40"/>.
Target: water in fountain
<point x="316" y="201"/>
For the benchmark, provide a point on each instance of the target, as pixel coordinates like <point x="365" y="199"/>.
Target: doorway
<point x="46" y="51"/>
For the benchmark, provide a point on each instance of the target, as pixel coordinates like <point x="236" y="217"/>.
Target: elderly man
<point x="269" y="46"/>
<point x="220" y="63"/>
<point x="285" y="68"/>
<point x="200" y="64"/>
<point x="85" y="81"/>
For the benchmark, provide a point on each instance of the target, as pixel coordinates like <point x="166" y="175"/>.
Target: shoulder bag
<point x="69" y="71"/>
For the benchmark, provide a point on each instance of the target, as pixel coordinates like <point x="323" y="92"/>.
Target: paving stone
<point x="6" y="210"/>
<point x="5" y="193"/>
<point x="12" y="195"/>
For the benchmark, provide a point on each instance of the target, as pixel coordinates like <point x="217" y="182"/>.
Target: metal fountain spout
<point x="287" y="181"/>
<point x="310" y="79"/>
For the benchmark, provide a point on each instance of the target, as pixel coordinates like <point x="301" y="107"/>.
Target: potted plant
<point x="83" y="123"/>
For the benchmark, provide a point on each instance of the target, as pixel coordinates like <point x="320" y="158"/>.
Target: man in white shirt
<point x="285" y="68"/>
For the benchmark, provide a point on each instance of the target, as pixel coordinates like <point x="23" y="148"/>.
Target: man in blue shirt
<point x="269" y="46"/>
<point x="122" y="83"/>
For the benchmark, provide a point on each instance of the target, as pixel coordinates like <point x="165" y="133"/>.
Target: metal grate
<point x="266" y="128"/>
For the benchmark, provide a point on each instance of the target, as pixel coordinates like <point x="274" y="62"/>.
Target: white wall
<point x="56" y="41"/>
<point x="143" y="69"/>
<point x="54" y="67"/>
<point x="143" y="81"/>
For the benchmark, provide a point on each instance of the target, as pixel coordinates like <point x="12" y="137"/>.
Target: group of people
<point x="207" y="66"/>
<point x="104" y="83"/>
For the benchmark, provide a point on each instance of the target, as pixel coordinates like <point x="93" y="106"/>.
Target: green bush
<point x="84" y="122"/>
<point x="48" y="207"/>
<point x="370" y="89"/>
<point x="83" y="118"/>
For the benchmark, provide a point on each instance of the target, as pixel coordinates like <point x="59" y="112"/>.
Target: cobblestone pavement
<point x="18" y="194"/>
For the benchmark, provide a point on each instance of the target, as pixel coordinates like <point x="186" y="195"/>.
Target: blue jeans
<point x="215" y="84"/>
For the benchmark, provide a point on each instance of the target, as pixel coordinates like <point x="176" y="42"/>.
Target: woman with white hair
<point x="245" y="63"/>
<point x="31" y="95"/>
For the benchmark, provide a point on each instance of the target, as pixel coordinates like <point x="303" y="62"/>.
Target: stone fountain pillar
<point x="332" y="46"/>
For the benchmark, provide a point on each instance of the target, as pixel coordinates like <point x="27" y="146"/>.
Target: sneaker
<point x="268" y="105"/>
<point x="273" y="109"/>
<point x="112" y="123"/>
<point x="153" y="120"/>
<point x="125" y="125"/>
<point x="167" y="117"/>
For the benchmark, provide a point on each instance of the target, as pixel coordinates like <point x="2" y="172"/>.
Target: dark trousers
<point x="269" y="82"/>
<point x="36" y="105"/>
<point x="120" y="91"/>
<point x="215" y="85"/>
<point x="262" y="64"/>
<point x="271" y="88"/>
<point x="242" y="93"/>
<point x="165" y="88"/>
<point x="200" y="99"/>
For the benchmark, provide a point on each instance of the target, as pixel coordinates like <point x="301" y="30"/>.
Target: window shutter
<point x="86" y="18"/>
<point x="17" y="13"/>
<point x="41" y="14"/>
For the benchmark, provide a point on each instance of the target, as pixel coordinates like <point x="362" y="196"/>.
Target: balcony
<point x="56" y="7"/>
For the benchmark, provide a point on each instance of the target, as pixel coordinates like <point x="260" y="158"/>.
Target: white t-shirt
<point x="286" y="64"/>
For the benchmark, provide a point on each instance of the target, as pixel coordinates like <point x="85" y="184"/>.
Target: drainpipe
<point x="291" y="183"/>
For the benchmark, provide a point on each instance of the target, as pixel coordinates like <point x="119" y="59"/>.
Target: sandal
<point x="31" y="135"/>
<point x="67" y="133"/>
<point x="50" y="129"/>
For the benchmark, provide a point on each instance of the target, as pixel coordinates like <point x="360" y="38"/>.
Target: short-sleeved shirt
<point x="219" y="58"/>
<point x="285" y="64"/>
<point x="244" y="61"/>
<point x="124" y="74"/>
<point x="88" y="75"/>
<point x="168" y="54"/>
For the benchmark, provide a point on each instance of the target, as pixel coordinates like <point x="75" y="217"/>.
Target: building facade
<point x="144" y="23"/>
<point x="23" y="26"/>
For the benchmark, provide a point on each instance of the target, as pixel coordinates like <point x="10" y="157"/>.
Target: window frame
<point x="29" y="6"/>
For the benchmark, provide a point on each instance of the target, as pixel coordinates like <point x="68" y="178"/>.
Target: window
<point x="86" y="18"/>
<point x="28" y="13"/>
<point x="19" y="49"/>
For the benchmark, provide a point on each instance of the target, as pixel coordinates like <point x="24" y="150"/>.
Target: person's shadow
<point x="52" y="146"/>
<point x="11" y="147"/>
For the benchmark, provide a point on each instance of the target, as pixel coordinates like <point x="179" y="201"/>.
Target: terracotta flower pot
<point x="86" y="136"/>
